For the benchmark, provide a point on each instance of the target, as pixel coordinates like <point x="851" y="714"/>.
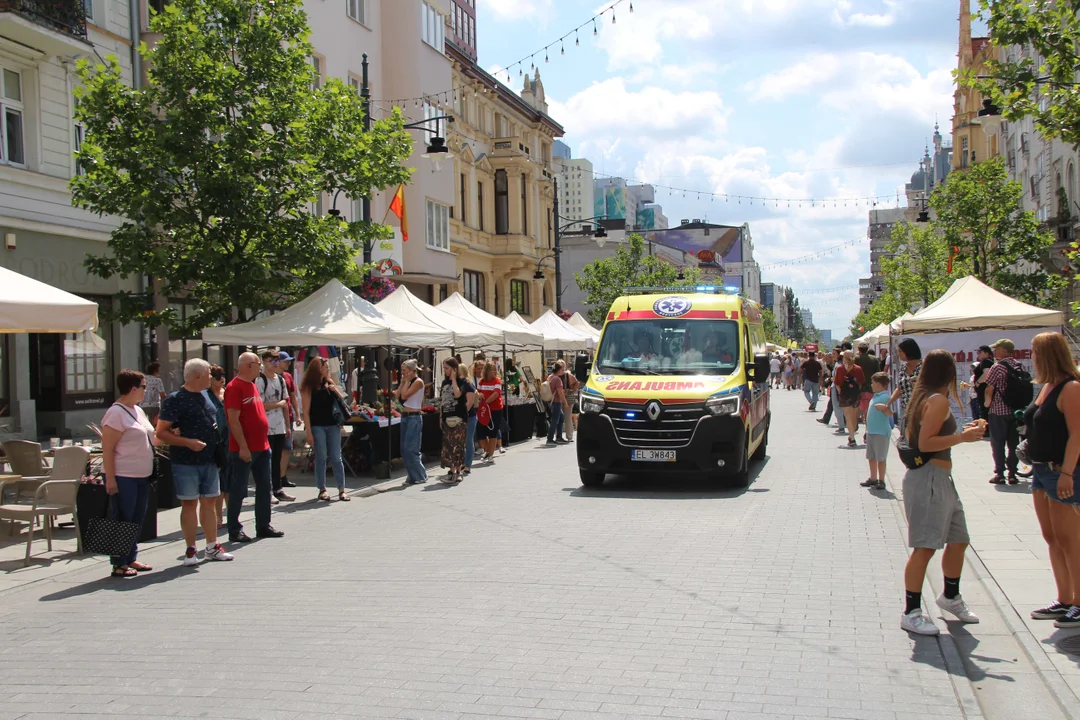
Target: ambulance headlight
<point x="591" y="404"/>
<point x="724" y="405"/>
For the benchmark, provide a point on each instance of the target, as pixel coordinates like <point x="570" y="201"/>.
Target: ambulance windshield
<point x="669" y="346"/>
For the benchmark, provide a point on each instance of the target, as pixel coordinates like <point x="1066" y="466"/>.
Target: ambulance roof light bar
<point x="684" y="290"/>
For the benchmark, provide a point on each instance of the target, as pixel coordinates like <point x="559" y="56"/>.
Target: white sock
<point x="211" y="545"/>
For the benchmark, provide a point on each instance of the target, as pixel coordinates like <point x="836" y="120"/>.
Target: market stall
<point x="27" y="305"/>
<point x="578" y="322"/>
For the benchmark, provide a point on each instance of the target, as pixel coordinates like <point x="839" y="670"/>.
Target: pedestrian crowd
<point x="1034" y="419"/>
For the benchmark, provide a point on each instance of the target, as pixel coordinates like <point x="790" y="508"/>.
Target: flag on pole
<point x="397" y="206"/>
<point x="952" y="255"/>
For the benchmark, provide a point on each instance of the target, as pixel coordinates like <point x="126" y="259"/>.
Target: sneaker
<point x="282" y="495"/>
<point x="550" y="442"/>
<point x="997" y="480"/>
<point x="218" y="553"/>
<point x="841" y="431"/>
<point x="823" y="421"/>
<point x="869" y="482"/>
<point x="1052" y="611"/>
<point x="189" y="558"/>
<point x="415" y="482"/>
<point x="240" y="537"/>
<point x="468" y="471"/>
<point x="880" y="485"/>
<point x="918" y="623"/>
<point x="957" y="607"/>
<point x="1070" y="619"/>
<point x="502" y="451"/>
<point x="851" y="442"/>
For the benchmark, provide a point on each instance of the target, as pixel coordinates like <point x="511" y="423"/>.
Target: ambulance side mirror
<point x="760" y="369"/>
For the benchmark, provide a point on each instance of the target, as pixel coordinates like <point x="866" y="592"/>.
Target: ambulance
<point x="679" y="384"/>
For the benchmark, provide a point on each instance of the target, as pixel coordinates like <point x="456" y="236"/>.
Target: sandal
<point x="139" y="567"/>
<point x="123" y="571"/>
<point x="324" y="496"/>
<point x="342" y="497"/>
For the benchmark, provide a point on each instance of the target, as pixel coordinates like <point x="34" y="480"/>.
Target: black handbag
<point x="105" y="536"/>
<point x="912" y="458"/>
<point x="339" y="410"/>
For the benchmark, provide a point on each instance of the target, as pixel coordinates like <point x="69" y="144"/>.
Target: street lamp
<point x="436" y="152"/>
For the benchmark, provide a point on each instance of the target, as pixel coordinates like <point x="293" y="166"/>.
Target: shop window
<point x="502" y="203"/>
<point x="519" y="296"/>
<point x="474" y="287"/>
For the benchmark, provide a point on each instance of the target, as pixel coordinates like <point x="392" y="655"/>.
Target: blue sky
<point x="768" y="98"/>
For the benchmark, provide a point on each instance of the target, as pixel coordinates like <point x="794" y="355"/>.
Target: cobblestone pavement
<point x="517" y="594"/>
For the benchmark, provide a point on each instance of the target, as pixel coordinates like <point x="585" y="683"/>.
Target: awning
<point x="560" y="335"/>
<point x="972" y="305"/>
<point x="27" y="305"/>
<point x="333" y="315"/>
<point x="509" y="334"/>
<point x="466" y="333"/>
<point x="578" y="322"/>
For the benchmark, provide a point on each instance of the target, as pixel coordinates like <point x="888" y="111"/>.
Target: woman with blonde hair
<point x="410" y="393"/>
<point x="1053" y="446"/>
<point x="934" y="512"/>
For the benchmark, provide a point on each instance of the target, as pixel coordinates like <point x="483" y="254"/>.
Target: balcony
<point x="55" y="27"/>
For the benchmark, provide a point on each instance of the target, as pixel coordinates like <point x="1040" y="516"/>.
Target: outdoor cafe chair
<point x="52" y="497"/>
<point x="24" y="457"/>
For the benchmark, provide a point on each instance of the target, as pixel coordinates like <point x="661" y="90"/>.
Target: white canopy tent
<point x="560" y="335"/>
<point x="467" y="333"/>
<point x="877" y="336"/>
<point x="578" y="322"/>
<point x="971" y="305"/>
<point x="516" y="319"/>
<point x="508" y="334"/>
<point x="332" y="315"/>
<point x="27" y="305"/>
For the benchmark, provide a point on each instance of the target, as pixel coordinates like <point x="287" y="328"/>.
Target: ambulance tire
<point x="759" y="454"/>
<point x="591" y="479"/>
<point x="741" y="479"/>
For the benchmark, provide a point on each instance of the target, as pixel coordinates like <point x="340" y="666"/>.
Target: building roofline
<point x="471" y="68"/>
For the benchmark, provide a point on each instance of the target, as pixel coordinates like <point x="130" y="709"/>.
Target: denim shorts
<point x="288" y="440"/>
<point x="1045" y="479"/>
<point x="195" y="481"/>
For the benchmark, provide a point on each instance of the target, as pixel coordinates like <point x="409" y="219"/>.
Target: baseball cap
<point x="1006" y="345"/>
<point x="284" y="356"/>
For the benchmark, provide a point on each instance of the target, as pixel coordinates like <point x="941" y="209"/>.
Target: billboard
<point x="610" y="202"/>
<point x="713" y="247"/>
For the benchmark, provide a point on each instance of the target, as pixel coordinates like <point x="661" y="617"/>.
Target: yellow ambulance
<point x="679" y="384"/>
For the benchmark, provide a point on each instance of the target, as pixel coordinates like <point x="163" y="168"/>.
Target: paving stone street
<point x="519" y="594"/>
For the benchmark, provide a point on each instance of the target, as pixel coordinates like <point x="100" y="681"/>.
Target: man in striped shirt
<point x="1003" y="431"/>
<point x="911" y="355"/>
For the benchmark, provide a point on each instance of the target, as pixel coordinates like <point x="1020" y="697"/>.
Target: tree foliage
<point x="979" y="212"/>
<point x="215" y="164"/>
<point x="916" y="273"/>
<point x="772" y="329"/>
<point x="605" y="279"/>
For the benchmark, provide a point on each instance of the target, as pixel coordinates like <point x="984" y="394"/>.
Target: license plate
<point x="654" y="455"/>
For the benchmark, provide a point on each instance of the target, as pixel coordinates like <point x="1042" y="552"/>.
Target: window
<point x="524" y="206"/>
<point x="474" y="287"/>
<point x="11" y="106"/>
<point x="354" y="83"/>
<point x="464" y="200"/>
<point x="963" y="152"/>
<point x="357" y="10"/>
<point x="502" y="203"/>
<point x="88" y="6"/>
<point x="519" y="296"/>
<point x="480" y="206"/>
<point x="86" y="363"/>
<point x="430" y="112"/>
<point x="455" y="12"/>
<point x="78" y="134"/>
<point x="432" y="26"/>
<point x="4" y="397"/>
<point x="317" y="63"/>
<point x="438" y="226"/>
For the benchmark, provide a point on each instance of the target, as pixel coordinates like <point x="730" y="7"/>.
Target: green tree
<point x="916" y="272"/>
<point x="772" y="329"/>
<point x="214" y="165"/>
<point x="605" y="279"/>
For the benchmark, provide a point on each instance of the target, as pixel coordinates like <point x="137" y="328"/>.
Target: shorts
<point x="288" y="441"/>
<point x="877" y="447"/>
<point x="776" y="376"/>
<point x="1045" y="479"/>
<point x="864" y="401"/>
<point x="934" y="512"/>
<point x="195" y="481"/>
<point x="483" y="432"/>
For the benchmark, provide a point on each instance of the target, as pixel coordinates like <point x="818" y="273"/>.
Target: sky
<point x="768" y="98"/>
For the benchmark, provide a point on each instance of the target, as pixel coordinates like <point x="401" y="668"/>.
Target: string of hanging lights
<point x="447" y="97"/>
<point x="815" y="255"/>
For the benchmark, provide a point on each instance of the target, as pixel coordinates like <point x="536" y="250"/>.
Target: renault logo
<point x="653" y="410"/>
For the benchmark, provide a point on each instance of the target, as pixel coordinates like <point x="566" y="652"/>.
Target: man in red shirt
<point x="249" y="449"/>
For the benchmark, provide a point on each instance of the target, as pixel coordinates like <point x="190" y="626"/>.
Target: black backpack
<point x="1019" y="392"/>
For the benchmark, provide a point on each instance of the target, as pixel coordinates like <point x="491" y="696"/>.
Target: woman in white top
<point x="127" y="445"/>
<point x="410" y="393"/>
<point x="155" y="392"/>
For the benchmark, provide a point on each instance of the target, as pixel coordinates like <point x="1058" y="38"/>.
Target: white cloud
<point x="517" y="9"/>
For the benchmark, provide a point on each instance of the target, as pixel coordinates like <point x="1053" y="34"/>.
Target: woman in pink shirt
<point x="127" y="445"/>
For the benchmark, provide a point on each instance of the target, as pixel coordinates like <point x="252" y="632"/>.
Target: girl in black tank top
<point x="1048" y="433"/>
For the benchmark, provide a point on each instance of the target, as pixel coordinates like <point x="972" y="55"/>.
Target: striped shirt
<point x="906" y="383"/>
<point x="997" y="377"/>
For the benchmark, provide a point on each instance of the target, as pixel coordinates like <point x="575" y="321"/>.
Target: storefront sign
<point x="387" y="256"/>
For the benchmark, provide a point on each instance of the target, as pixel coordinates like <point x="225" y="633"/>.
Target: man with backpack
<point x="275" y="396"/>
<point x="1008" y="389"/>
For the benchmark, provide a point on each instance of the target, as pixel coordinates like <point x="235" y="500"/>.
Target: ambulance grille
<point x="674" y="429"/>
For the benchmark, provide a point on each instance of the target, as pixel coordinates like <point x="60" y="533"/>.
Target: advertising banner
<point x="388" y="256"/>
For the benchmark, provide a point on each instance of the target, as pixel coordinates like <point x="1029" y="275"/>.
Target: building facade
<point x="53" y="385"/>
<point x="502" y="230"/>
<point x="576" y="188"/>
<point x="971" y="141"/>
